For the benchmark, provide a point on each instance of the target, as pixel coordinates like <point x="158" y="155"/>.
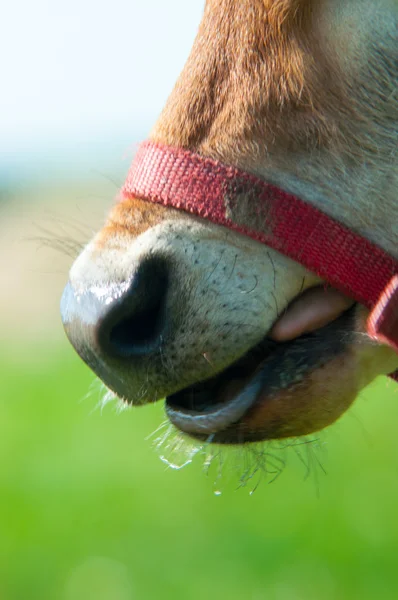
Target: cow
<point x="243" y="342"/>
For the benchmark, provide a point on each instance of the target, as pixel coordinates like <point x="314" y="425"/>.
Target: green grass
<point x="88" y="511"/>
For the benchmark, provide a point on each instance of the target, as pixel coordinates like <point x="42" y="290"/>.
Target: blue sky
<point x="82" y="80"/>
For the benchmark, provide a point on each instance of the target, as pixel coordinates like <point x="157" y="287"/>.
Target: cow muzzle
<point x="187" y="310"/>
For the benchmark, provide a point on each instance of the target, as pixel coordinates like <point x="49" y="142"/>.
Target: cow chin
<point x="304" y="385"/>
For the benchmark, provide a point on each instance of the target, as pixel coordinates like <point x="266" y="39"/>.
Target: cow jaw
<point x="284" y="389"/>
<point x="218" y="404"/>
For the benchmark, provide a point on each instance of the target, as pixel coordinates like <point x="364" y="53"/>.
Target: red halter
<point x="242" y="202"/>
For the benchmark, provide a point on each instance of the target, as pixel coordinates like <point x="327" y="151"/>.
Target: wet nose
<point x="119" y="320"/>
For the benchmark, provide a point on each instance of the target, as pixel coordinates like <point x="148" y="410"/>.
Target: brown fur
<point x="264" y="85"/>
<point x="252" y="82"/>
<point x="131" y="217"/>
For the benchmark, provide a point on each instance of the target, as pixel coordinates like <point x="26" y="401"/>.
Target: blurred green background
<point x="88" y="508"/>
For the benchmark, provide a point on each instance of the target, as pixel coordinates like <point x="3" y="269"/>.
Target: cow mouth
<point x="214" y="404"/>
<point x="214" y="408"/>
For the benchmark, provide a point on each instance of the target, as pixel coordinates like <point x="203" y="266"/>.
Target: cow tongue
<point x="314" y="309"/>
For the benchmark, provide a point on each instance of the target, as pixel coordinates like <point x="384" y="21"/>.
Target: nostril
<point x="136" y="322"/>
<point x="139" y="331"/>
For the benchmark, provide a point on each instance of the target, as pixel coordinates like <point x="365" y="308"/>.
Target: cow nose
<point x="119" y="320"/>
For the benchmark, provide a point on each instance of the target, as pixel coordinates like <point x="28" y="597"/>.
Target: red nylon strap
<point x="383" y="320"/>
<point x="243" y="202"/>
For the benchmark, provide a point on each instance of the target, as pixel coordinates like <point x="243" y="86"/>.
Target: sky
<point x="82" y="80"/>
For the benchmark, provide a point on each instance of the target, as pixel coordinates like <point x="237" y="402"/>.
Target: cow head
<point x="244" y="343"/>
